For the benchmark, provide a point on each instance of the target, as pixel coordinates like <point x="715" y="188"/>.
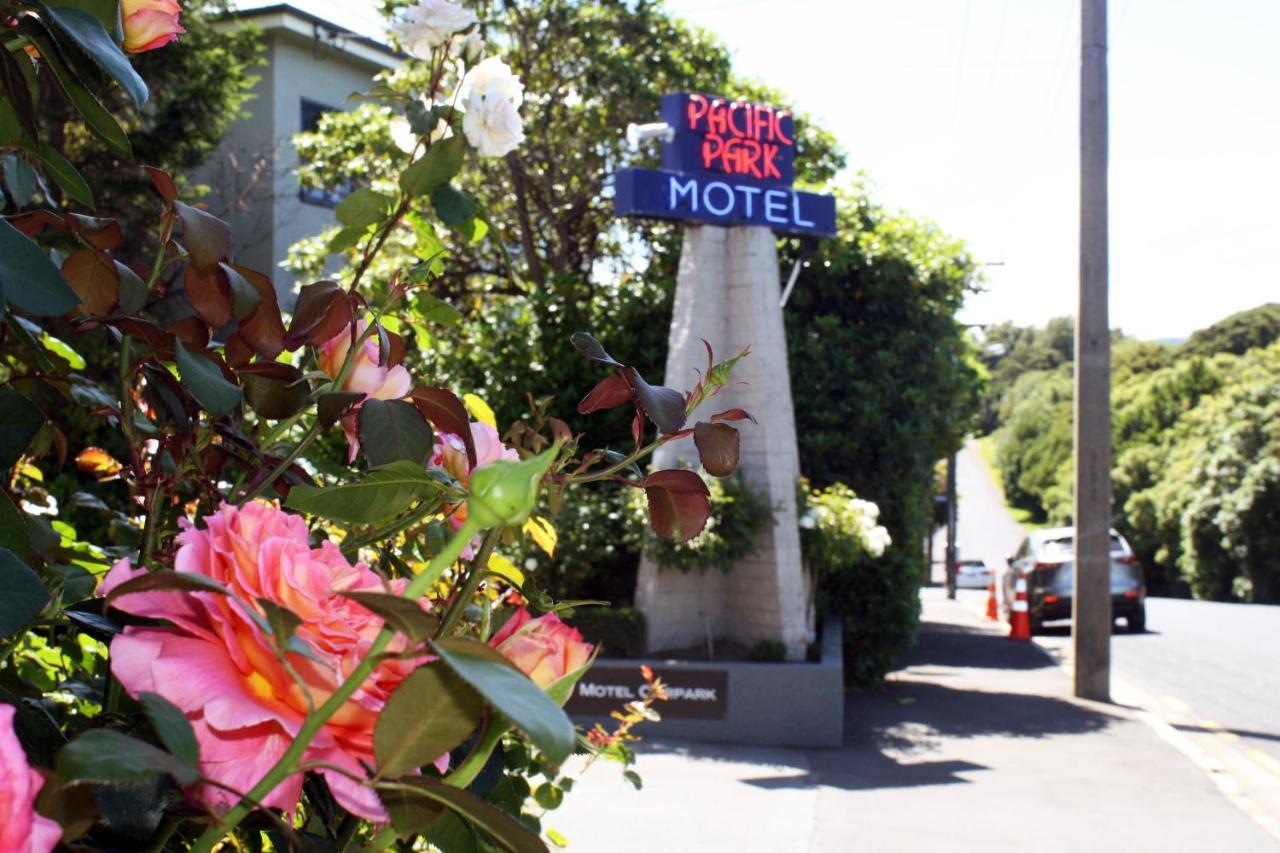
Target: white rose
<point x="426" y="25"/>
<point x="493" y="78"/>
<point x="493" y="126"/>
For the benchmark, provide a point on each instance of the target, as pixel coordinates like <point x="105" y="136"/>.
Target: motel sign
<point x="728" y="163"/>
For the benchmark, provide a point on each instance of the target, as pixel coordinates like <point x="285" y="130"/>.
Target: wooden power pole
<point x="1091" y="613"/>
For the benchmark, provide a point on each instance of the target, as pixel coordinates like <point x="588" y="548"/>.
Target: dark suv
<point x="1046" y="559"/>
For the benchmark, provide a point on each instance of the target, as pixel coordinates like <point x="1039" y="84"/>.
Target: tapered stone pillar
<point x="727" y="292"/>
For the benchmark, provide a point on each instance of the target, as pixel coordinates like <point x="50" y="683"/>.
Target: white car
<point x="972" y="574"/>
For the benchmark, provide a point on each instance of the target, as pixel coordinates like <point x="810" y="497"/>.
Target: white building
<point x="312" y="67"/>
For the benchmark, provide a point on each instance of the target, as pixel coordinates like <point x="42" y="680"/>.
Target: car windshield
<point x="1064" y="546"/>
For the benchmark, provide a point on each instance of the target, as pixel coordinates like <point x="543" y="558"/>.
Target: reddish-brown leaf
<point x="94" y="279"/>
<point x="162" y="182"/>
<point x="321" y="312"/>
<point x="209" y="294"/>
<point x="395" y="349"/>
<point x="98" y="462"/>
<point x="36" y="221"/>
<point x="142" y="330"/>
<point x="611" y="392"/>
<point x="207" y="238"/>
<point x="192" y="331"/>
<point x="679" y="504"/>
<point x="446" y="413"/>
<point x="238" y="351"/>
<point x="718" y="447"/>
<point x="664" y="406"/>
<point x="102" y="234"/>
<point x="733" y="415"/>
<point x="264" y="328"/>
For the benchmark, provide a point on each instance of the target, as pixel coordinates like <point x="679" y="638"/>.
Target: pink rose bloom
<point x="545" y="649"/>
<point x="149" y="24"/>
<point x="220" y="667"/>
<point x="450" y="454"/>
<point x="366" y="376"/>
<point x="21" y="829"/>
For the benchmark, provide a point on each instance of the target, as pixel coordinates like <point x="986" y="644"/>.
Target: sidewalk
<point x="974" y="743"/>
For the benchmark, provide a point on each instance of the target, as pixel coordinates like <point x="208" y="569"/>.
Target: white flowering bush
<point x="839" y="527"/>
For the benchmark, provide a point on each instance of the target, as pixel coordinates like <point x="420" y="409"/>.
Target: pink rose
<point x="149" y="24"/>
<point x="450" y="454"/>
<point x="366" y="376"/>
<point x="545" y="649"/>
<point x="21" y="829"/>
<point x="219" y="666"/>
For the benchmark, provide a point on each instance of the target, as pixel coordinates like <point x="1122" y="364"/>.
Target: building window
<point x="321" y="196"/>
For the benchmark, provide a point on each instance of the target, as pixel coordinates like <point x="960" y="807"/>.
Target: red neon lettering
<point x="718" y="118"/>
<point x="712" y="147"/>
<point x="696" y="109"/>
<point x="733" y="108"/>
<point x="751" y="157"/>
<point x="771" y="168"/>
<point x="777" y="126"/>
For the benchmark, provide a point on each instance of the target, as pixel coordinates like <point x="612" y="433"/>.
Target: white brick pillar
<point x="727" y="292"/>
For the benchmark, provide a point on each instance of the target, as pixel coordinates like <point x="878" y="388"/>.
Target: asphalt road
<point x="1212" y="668"/>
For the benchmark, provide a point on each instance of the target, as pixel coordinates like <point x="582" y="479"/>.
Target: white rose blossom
<point x="425" y="26"/>
<point x="491" y="95"/>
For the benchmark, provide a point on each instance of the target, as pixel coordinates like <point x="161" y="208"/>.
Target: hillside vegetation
<point x="1196" y="456"/>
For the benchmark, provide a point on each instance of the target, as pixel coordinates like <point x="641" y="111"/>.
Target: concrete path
<point x="973" y="743"/>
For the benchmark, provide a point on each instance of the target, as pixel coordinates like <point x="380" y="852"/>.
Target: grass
<point x="990" y="455"/>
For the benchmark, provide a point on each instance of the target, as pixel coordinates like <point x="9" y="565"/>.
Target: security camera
<point x="640" y="133"/>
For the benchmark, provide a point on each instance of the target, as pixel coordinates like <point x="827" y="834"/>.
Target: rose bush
<point x="269" y="630"/>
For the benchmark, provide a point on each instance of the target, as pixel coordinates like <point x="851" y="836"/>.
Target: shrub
<point x="619" y="631"/>
<point x="858" y="577"/>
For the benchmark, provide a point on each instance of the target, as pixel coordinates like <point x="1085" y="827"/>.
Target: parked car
<point x="973" y="574"/>
<point x="1046" y="559"/>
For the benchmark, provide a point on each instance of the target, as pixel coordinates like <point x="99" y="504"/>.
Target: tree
<point x="1257" y="327"/>
<point x="886" y="383"/>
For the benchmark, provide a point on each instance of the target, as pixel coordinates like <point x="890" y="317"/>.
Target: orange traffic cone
<point x="1019" y="619"/>
<point x="993" y="607"/>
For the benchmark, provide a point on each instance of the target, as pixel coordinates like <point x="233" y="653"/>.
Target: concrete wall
<point x="727" y="292"/>
<point x="775" y="704"/>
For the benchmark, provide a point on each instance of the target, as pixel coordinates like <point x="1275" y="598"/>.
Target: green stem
<point x="311" y="726"/>
<point x="151" y="528"/>
<point x="474" y="578"/>
<point x="606" y="473"/>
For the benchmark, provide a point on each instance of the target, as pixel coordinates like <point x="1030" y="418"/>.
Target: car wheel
<point x="1137" y="621"/>
<point x="1036" y="625"/>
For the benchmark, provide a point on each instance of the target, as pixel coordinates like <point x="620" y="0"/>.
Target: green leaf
<point x="13" y="529"/>
<point x="384" y="492"/>
<point x="363" y="208"/>
<point x="205" y="381"/>
<point x="345" y="239"/>
<point x="164" y="580"/>
<point x="393" y="430"/>
<point x="89" y="33"/>
<point x="14" y="84"/>
<point x="452" y="205"/>
<point x="106" y="11"/>
<point x="245" y="298"/>
<point x="434" y="169"/>
<point x="430" y="713"/>
<point x="29" y="279"/>
<point x="65" y="175"/>
<point x="22" y="594"/>
<point x="133" y="290"/>
<point x="401" y="614"/>
<point x="438" y="311"/>
<point x="511" y="693"/>
<point x="20" y="178"/>
<point x="90" y="108"/>
<point x="172" y="726"/>
<point x="20" y="420"/>
<point x="504" y="830"/>
<point x="108" y="757"/>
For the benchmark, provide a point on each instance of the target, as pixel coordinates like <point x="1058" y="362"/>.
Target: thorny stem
<point x="311" y="726"/>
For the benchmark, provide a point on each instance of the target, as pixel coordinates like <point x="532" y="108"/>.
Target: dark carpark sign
<point x="692" y="694"/>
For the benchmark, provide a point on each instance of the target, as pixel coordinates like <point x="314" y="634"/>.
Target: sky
<point x="966" y="112"/>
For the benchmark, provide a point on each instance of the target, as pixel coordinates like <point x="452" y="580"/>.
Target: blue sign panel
<point x="728" y="163"/>
<point x="722" y="201"/>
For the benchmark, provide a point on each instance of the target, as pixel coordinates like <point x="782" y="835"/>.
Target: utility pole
<point x="1091" y="600"/>
<point x="952" y="558"/>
